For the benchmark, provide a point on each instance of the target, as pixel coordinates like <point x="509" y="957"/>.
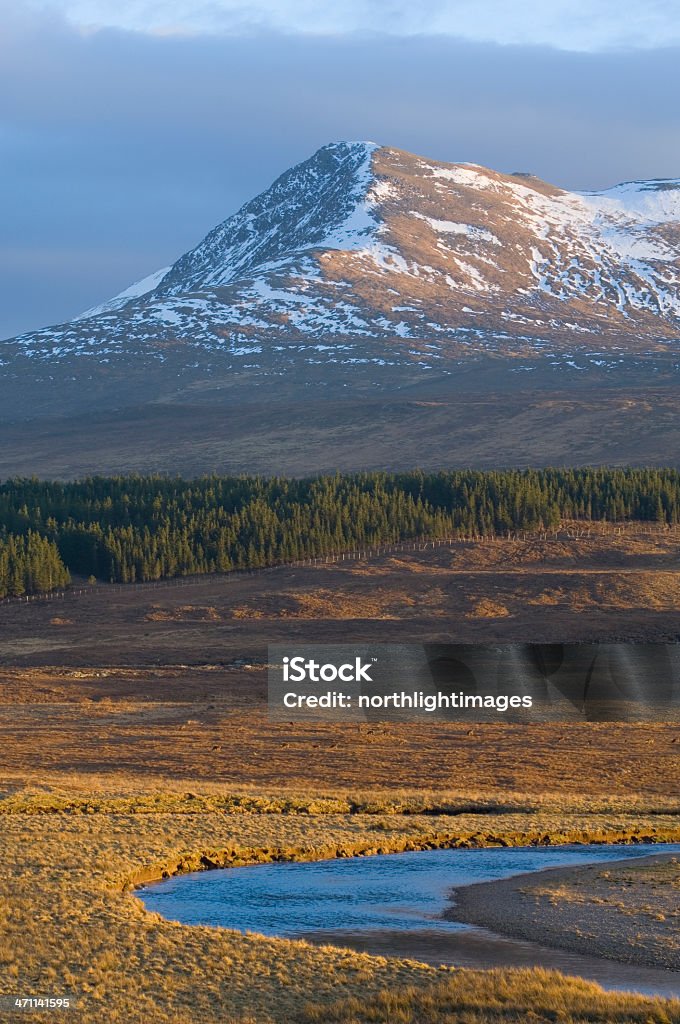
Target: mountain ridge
<point x="177" y="272"/>
<point x="367" y="266"/>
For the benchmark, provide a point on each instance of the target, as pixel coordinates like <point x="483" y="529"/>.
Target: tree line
<point x="131" y="528"/>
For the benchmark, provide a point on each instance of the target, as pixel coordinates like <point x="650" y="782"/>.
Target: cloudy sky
<point x="129" y="128"/>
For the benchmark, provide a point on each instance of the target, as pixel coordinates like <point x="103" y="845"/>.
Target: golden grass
<point x="210" y="722"/>
<point x="326" y="603"/>
<point x="124" y="794"/>
<point x="488" y="609"/>
<point x="184" y="613"/>
<point x="498" y="997"/>
<point x="71" y="921"/>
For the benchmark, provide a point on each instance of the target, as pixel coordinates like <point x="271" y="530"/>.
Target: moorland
<point x="135" y="742"/>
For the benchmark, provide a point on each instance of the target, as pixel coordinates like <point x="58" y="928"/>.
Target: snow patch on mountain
<point x="450" y="227"/>
<point x="139" y="288"/>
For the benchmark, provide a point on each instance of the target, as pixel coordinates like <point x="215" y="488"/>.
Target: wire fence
<point x="362" y="553"/>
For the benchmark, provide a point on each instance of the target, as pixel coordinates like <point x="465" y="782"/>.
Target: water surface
<point x="393" y="905"/>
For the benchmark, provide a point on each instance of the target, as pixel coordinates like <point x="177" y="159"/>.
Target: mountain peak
<point x="366" y="256"/>
<point x="300" y="210"/>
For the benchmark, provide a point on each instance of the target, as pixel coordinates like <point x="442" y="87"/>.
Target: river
<point x="392" y="905"/>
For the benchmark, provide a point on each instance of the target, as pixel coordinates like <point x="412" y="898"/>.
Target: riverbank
<point x="391" y="906"/>
<point x="70" y="922"/>
<point x="619" y="911"/>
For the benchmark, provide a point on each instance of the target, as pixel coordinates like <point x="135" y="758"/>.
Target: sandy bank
<point x="621" y="911"/>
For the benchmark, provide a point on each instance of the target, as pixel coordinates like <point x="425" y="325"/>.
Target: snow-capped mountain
<point x="366" y="256"/>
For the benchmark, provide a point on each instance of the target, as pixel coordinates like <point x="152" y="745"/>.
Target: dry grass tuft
<point x="488" y="609"/>
<point x="182" y="613"/>
<point x="498" y="997"/>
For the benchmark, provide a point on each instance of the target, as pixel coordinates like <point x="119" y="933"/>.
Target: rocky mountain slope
<point x="368" y="256"/>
